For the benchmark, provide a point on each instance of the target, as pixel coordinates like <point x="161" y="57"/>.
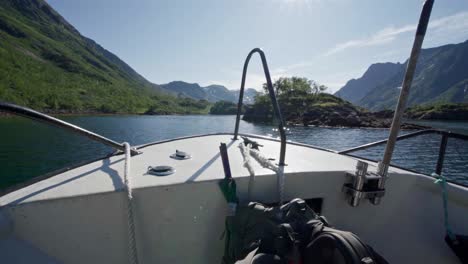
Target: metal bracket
<point x="349" y="190"/>
<point x="363" y="185"/>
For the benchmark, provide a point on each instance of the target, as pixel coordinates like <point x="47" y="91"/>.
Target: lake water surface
<point x="29" y="149"/>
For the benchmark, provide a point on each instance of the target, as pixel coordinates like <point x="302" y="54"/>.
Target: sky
<point x="206" y="41"/>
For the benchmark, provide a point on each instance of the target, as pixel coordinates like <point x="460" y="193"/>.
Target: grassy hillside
<point x="295" y="108"/>
<point x="46" y="64"/>
<point x="439" y="112"/>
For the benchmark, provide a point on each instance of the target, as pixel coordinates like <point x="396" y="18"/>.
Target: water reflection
<point x="30" y="149"/>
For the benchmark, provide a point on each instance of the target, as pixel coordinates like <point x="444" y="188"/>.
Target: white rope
<point x="263" y="161"/>
<point x="131" y="225"/>
<point x="247" y="152"/>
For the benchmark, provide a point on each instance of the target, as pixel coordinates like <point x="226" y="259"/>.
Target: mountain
<point x="440" y="77"/>
<point x="211" y="93"/>
<point x="249" y="95"/>
<point x="217" y="93"/>
<point x="183" y="89"/>
<point x="46" y="64"/>
<point x="377" y="74"/>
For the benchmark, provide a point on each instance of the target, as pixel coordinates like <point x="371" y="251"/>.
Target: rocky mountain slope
<point x="441" y="76"/>
<point x="377" y="74"/>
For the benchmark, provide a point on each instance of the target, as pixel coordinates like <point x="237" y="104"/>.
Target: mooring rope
<point x="442" y="181"/>
<point x="245" y="150"/>
<point x="130" y="219"/>
<point x="248" y="152"/>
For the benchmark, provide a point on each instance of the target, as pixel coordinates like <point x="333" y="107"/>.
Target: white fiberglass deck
<point x="79" y="217"/>
<point x="107" y="175"/>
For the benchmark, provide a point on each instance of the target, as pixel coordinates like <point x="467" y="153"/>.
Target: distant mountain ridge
<point x="441" y="76"/>
<point x="377" y="74"/>
<point x="211" y="93"/>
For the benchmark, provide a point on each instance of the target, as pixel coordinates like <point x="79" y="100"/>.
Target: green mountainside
<point x="441" y="77"/>
<point x="46" y="64"/>
<point x="453" y="111"/>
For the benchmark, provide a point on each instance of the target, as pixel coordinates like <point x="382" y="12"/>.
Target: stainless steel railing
<point x="443" y="144"/>
<point x="274" y="102"/>
<point x="43" y="118"/>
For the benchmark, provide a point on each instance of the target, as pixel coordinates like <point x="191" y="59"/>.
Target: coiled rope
<point x="133" y="254"/>
<point x="247" y="152"/>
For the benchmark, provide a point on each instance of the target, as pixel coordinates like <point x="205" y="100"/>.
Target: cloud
<point x="383" y="36"/>
<point x="448" y="29"/>
<point x="456" y="24"/>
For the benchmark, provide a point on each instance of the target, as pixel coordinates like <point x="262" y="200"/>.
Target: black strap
<point x="224" y="157"/>
<point x="360" y="252"/>
<point x="294" y="252"/>
<point x="459" y="247"/>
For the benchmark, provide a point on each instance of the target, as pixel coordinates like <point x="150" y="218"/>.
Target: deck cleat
<point x="161" y="170"/>
<point x="181" y="155"/>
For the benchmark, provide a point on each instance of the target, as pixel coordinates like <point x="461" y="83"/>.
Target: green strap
<point x="229" y="189"/>
<point x="442" y="181"/>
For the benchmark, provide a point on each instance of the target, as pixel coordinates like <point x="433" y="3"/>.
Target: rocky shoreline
<point x="351" y="120"/>
<point x="335" y="116"/>
<point x="384" y="124"/>
<point x="453" y="112"/>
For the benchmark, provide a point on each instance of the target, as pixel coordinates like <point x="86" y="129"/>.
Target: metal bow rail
<point x="43" y="118"/>
<point x="404" y="94"/>
<point x="374" y="189"/>
<point x="274" y="102"/>
<point x="443" y="144"/>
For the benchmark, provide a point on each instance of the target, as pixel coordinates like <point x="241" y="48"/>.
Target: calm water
<point x="29" y="149"/>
